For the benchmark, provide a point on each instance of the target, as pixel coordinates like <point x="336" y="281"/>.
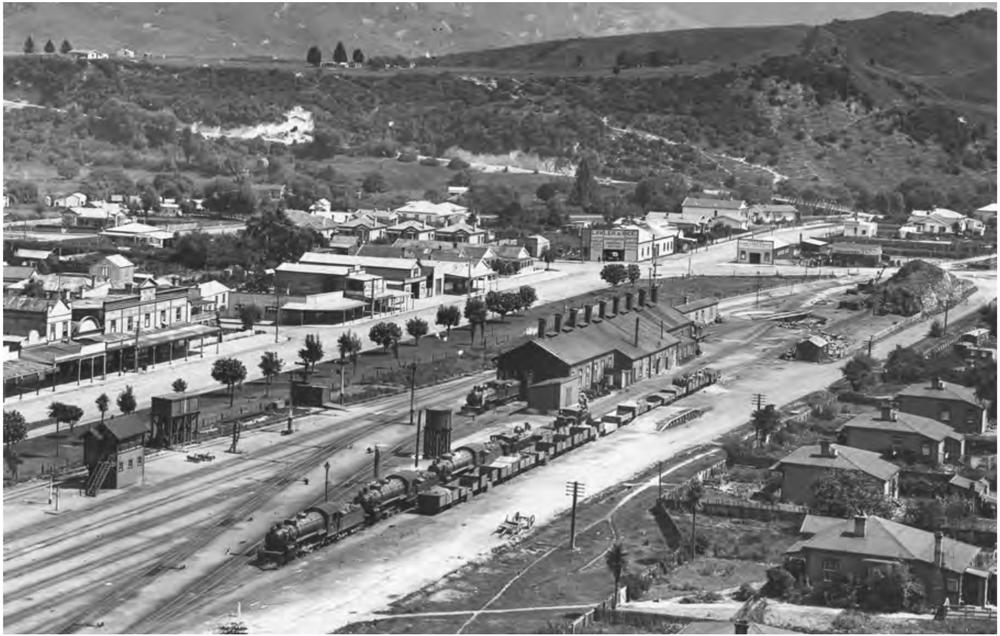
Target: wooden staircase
<point x="98" y="477"/>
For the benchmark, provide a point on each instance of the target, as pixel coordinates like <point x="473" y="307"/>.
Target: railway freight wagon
<point x="311" y="529"/>
<point x="460" y="475"/>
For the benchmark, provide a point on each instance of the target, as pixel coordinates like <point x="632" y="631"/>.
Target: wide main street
<point x="565" y="280"/>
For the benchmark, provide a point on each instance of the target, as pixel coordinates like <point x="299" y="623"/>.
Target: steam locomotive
<point x="488" y="395"/>
<point x="467" y="471"/>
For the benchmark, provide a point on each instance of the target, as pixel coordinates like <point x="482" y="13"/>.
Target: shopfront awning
<point x="15" y="369"/>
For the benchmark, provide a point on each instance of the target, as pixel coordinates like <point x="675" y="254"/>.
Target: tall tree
<point x="416" y="327"/>
<point x="765" y="422"/>
<point x="448" y="316"/>
<point x="475" y="312"/>
<point x="860" y="371"/>
<point x="385" y="334"/>
<point x="340" y="54"/>
<point x="692" y="498"/>
<point x="65" y="47"/>
<point x="15" y="428"/>
<point x="349" y="346"/>
<point x="617" y="561"/>
<point x="585" y="189"/>
<point x="229" y="371"/>
<point x="50" y="47"/>
<point x="984" y="381"/>
<point x="358" y="56"/>
<point x="844" y="493"/>
<point x="614" y="274"/>
<point x="634" y="273"/>
<point x="29" y="46"/>
<point x="68" y="413"/>
<point x="180" y="385"/>
<point x="126" y="400"/>
<point x="314" y="56"/>
<point x="102" y="402"/>
<point x="311" y="353"/>
<point x="527" y="295"/>
<point x="249" y="315"/>
<point x="270" y="365"/>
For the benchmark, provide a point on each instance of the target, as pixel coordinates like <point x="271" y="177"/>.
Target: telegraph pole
<point x="659" y="481"/>
<point x="575" y="489"/>
<point x="326" y="482"/>
<point x="277" y="310"/>
<point x="758" y="399"/>
<point x="947" y="306"/>
<point x="413" y="388"/>
<point x="416" y="444"/>
<point x="756" y="302"/>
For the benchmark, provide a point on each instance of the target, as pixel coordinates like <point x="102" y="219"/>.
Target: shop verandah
<point x="96" y="356"/>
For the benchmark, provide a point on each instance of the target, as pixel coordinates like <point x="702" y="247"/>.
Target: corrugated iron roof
<point x="949" y="391"/>
<point x="847" y="458"/>
<point x="903" y="423"/>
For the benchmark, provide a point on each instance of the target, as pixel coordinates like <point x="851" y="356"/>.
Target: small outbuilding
<point x="554" y="394"/>
<point x="113" y="452"/>
<point x="812" y="349"/>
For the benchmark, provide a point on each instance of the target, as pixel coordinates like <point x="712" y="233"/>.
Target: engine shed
<point x="113" y="452"/>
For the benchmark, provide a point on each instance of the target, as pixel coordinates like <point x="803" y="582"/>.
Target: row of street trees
<point x="64" y="48"/>
<point x="314" y="55"/>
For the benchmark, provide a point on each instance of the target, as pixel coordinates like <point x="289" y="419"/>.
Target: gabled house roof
<point x="15" y="273"/>
<point x="903" y="423"/>
<point x="948" y="391"/>
<point x="717" y="204"/>
<point x="37" y="255"/>
<point x="845" y="458"/>
<point x="512" y="252"/>
<point x="436" y="209"/>
<point x="117" y="260"/>
<point x="695" y="305"/>
<point x="410" y="225"/>
<point x="212" y="288"/>
<point x="322" y="258"/>
<point x="361" y="221"/>
<point x="884" y="539"/>
<point x="29" y="304"/>
<point x="461" y="227"/>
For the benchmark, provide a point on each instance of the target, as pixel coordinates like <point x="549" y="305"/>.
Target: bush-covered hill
<point x="818" y="115"/>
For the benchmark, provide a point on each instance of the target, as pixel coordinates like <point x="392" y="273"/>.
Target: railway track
<point x="132" y="585"/>
<point x="180" y="603"/>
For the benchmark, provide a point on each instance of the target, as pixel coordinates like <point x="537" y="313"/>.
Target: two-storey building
<point x="903" y="435"/>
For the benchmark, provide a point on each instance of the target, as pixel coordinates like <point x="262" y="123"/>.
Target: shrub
<point x="407" y="156"/>
<point x="703" y="597"/>
<point x="779" y="583"/>
<point x="458" y="164"/>
<point x="851" y="622"/>
<point x="745" y="593"/>
<point x="430" y="161"/>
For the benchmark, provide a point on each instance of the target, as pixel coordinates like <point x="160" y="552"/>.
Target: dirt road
<point x="352" y="580"/>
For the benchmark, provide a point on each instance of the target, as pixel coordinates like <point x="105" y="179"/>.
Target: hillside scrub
<point x="919" y="286"/>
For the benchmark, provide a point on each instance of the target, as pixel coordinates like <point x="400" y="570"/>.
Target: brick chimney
<point x="938" y="550"/>
<point x="635" y="343"/>
<point x="888" y="412"/>
<point x="826" y="449"/>
<point x="602" y="309"/>
<point x="629" y="301"/>
<point x="936" y="383"/>
<point x="860" y="525"/>
<point x="588" y="313"/>
<point x="541" y="327"/>
<point x="653" y="294"/>
<point x="741" y="627"/>
<point x="557" y="323"/>
<point x="642" y="299"/>
<point x="616" y="305"/>
<point x="573" y="313"/>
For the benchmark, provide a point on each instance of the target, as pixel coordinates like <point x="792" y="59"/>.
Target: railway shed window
<point x="130" y="464"/>
<point x="121" y="467"/>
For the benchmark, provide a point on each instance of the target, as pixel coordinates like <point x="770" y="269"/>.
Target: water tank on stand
<point x="437" y="432"/>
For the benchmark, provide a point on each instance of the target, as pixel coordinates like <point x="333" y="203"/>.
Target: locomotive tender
<point x="460" y="475"/>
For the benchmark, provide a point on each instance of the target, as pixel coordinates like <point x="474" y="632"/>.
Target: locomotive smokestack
<point x="378" y="461"/>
